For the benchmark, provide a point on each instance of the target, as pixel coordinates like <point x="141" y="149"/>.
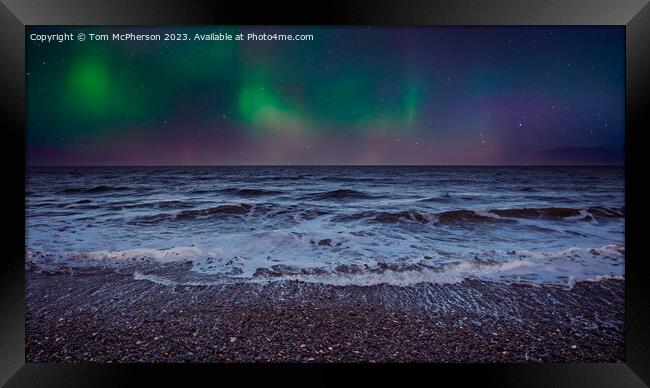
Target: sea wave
<point x="459" y="217"/>
<point x="548" y="213"/>
<point x="238" y="209"/>
<point x="250" y="192"/>
<point x="383" y="217"/>
<point x="185" y="215"/>
<point x="443" y="198"/>
<point x="235" y="191"/>
<point x="339" y="194"/>
<point x="95" y="189"/>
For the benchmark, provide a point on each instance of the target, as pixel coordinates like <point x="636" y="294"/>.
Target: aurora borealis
<point x="353" y="95"/>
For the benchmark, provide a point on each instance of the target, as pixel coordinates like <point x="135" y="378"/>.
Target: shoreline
<point x="106" y="316"/>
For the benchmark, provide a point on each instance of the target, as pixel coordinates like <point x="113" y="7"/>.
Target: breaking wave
<point x="564" y="267"/>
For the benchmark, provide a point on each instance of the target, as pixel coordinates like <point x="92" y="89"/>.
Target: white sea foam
<point x="171" y="255"/>
<point x="565" y="266"/>
<point x="153" y="279"/>
<point x="449" y="274"/>
<point x="166" y="281"/>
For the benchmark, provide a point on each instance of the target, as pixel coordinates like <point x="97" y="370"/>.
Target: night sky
<point x="362" y="95"/>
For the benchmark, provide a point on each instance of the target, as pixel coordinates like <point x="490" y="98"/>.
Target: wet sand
<point x="104" y="316"/>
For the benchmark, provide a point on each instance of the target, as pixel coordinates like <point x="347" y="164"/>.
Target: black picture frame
<point x="633" y="14"/>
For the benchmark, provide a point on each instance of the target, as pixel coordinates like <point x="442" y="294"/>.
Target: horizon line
<point x="327" y="165"/>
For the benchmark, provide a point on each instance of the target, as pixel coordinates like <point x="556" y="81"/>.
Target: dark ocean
<point x="331" y="225"/>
